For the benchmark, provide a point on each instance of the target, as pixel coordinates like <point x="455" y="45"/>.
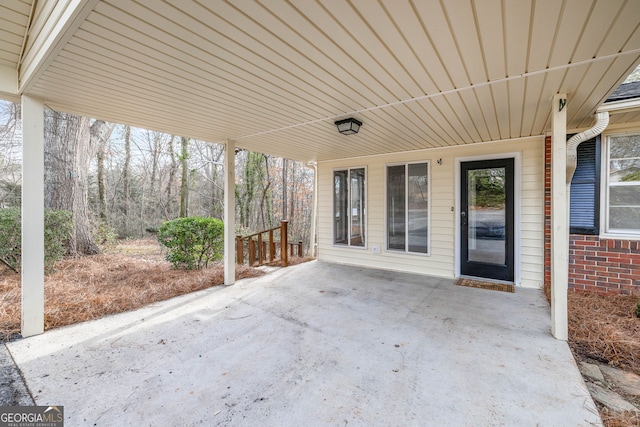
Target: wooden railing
<point x="265" y="247"/>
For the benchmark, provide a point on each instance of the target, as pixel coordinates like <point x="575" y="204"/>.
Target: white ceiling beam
<point x="8" y="84"/>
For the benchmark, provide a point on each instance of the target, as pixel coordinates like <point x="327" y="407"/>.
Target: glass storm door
<point x="487" y="219"/>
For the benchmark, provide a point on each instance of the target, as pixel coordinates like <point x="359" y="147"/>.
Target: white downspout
<point x="602" y="121"/>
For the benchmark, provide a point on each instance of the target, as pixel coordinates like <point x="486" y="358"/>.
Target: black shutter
<point x="585" y="190"/>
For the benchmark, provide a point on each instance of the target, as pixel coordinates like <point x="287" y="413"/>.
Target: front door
<point x="487" y="219"/>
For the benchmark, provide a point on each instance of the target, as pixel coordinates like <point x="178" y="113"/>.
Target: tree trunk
<point x="69" y="147"/>
<point x="184" y="184"/>
<point x="284" y="189"/>
<point x="154" y="164"/>
<point x="265" y="203"/>
<point x="172" y="177"/>
<point x="126" y="176"/>
<point x="248" y="193"/>
<point x="102" y="194"/>
<point x="214" y="155"/>
<point x="292" y="210"/>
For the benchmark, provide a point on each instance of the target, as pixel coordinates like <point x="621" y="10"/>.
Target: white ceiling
<point x="14" y="18"/>
<point x="273" y="75"/>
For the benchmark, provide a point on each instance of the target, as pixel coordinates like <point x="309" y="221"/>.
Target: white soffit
<point x="274" y="75"/>
<point x="14" y="18"/>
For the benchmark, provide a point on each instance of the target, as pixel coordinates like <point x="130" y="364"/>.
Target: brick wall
<point x="595" y="264"/>
<point x="604" y="265"/>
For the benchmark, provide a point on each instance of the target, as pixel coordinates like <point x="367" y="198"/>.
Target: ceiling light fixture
<point x="348" y="126"/>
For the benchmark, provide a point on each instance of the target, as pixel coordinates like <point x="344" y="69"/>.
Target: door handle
<point x="463" y="218"/>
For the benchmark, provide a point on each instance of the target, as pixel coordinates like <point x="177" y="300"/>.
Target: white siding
<point x="442" y="226"/>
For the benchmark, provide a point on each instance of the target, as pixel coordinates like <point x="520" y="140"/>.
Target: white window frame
<point x="386" y="208"/>
<point x="605" y="231"/>
<point x="350" y="209"/>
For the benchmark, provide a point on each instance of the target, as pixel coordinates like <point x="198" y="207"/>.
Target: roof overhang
<point x="626" y="106"/>
<point x="274" y="76"/>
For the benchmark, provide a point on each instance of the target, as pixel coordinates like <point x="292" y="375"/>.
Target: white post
<point x="229" y="213"/>
<point x="32" y="216"/>
<point x="559" y="219"/>
<point x="314" y="216"/>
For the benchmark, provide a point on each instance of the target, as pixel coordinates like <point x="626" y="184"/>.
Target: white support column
<point x="559" y="219"/>
<point x="314" y="214"/>
<point x="229" y="213"/>
<point x="32" y="216"/>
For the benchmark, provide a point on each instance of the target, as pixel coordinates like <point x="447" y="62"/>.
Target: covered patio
<point x="273" y="77"/>
<point x="315" y="344"/>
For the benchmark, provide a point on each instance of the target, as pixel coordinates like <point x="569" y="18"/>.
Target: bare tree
<point x="126" y="174"/>
<point x="184" y="181"/>
<point x="265" y="204"/>
<point x="135" y="184"/>
<point x="215" y="178"/>
<point x="294" y="199"/>
<point x="205" y="179"/>
<point x="252" y="193"/>
<point x="634" y="76"/>
<point x="172" y="178"/>
<point x="10" y="143"/>
<point x="102" y="194"/>
<point x="156" y="148"/>
<point x="284" y="190"/>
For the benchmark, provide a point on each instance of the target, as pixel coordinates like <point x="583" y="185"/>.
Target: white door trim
<point x="517" y="208"/>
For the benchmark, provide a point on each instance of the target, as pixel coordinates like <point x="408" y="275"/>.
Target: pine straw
<point x="91" y="287"/>
<point x="605" y="329"/>
<point x="615" y="419"/>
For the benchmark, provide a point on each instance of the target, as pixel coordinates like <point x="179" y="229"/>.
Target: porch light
<point x="348" y="126"/>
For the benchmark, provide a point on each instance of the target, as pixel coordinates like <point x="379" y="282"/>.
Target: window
<point x="408" y="207"/>
<point x="623" y="184"/>
<point x="585" y="189"/>
<point x="349" y="207"/>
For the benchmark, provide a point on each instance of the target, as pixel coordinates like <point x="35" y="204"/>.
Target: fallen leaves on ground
<point x="91" y="287"/>
<point x="604" y="328"/>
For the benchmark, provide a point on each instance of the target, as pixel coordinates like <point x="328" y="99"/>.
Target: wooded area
<point x="124" y="182"/>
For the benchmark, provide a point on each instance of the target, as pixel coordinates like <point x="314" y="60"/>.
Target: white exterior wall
<point x="442" y="224"/>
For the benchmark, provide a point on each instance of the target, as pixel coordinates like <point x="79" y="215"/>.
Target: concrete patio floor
<point x="315" y="344"/>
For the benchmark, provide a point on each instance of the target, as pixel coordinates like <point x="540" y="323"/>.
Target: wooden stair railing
<point x="263" y="247"/>
<point x="297" y="248"/>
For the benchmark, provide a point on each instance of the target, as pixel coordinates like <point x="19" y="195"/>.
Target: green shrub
<point x="10" y="236"/>
<point x="57" y="230"/>
<point x="58" y="226"/>
<point x="192" y="242"/>
<point x="638" y="310"/>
